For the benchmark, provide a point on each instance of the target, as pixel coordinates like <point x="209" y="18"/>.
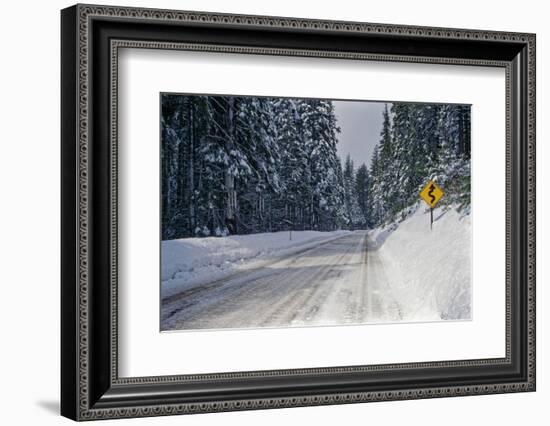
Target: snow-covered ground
<point x="402" y="272"/>
<point x="428" y="271"/>
<point x="321" y="285"/>
<point x="188" y="262"/>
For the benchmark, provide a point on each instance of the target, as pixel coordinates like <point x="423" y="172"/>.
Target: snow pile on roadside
<point x="429" y="272"/>
<point x="188" y="262"/>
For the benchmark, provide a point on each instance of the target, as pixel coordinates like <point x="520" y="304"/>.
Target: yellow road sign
<point x="431" y="194"/>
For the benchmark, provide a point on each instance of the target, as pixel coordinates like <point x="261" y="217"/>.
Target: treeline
<point x="419" y="142"/>
<point x="239" y="165"/>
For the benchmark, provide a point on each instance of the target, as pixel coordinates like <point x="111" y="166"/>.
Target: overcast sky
<point x="361" y="123"/>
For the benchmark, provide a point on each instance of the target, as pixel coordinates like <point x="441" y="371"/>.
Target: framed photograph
<point x="263" y="212"/>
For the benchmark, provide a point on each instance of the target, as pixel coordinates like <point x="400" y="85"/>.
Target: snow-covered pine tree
<point x="375" y="199"/>
<point x="400" y="168"/>
<point x="354" y="215"/>
<point x="452" y="167"/>
<point x="414" y="155"/>
<point x="419" y="142"/>
<point x="208" y="194"/>
<point x="289" y="206"/>
<point x="383" y="186"/>
<point x="182" y="118"/>
<point x="258" y="142"/>
<point x="362" y="193"/>
<point x="324" y="177"/>
<point x="169" y="149"/>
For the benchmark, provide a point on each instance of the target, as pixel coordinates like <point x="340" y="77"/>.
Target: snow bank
<point x="429" y="272"/>
<point x="192" y="261"/>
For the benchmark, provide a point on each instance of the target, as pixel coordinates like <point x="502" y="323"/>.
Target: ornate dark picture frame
<point x="90" y="385"/>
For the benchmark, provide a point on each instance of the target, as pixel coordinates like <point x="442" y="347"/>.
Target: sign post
<point x="431" y="194"/>
<point x="290" y="225"/>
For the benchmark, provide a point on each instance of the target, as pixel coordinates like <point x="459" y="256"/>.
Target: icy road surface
<point x="327" y="284"/>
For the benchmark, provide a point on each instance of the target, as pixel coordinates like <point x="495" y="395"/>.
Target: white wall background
<point x="29" y="214"/>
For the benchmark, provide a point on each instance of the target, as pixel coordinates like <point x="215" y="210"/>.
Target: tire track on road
<point x="175" y="304"/>
<point x="341" y="292"/>
<point x="287" y="312"/>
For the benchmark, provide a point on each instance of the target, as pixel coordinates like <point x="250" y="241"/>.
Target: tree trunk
<point x="231" y="204"/>
<point x="191" y="169"/>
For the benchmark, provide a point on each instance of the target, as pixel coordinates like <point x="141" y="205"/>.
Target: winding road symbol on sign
<point x="431" y="193"/>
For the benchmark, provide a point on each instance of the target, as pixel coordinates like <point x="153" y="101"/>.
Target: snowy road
<point x="324" y="285"/>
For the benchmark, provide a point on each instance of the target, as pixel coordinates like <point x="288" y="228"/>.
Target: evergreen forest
<point x="242" y="165"/>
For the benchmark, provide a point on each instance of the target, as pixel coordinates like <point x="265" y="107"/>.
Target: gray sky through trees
<point x="361" y="123"/>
